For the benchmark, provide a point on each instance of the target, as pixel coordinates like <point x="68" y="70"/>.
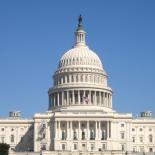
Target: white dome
<point x="80" y="79"/>
<point x="80" y="56"/>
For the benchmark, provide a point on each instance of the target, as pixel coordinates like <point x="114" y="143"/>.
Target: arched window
<point x="63" y="79"/>
<point x="76" y="78"/>
<point x="102" y="80"/>
<point x="94" y="80"/>
<point x="94" y="62"/>
<point x="72" y="78"/>
<point x="77" y="61"/>
<point x="150" y="138"/>
<point x="90" y="78"/>
<point x="67" y="78"/>
<point x="86" y="78"/>
<point x="98" y="79"/>
<point x="73" y="61"/>
<point x="81" y="78"/>
<point x="59" y="80"/>
<point x="80" y="60"/>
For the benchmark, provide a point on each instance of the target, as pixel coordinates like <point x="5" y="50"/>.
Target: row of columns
<point x="80" y="97"/>
<point x="69" y="130"/>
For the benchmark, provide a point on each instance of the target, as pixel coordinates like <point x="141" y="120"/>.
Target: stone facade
<point x="80" y="117"/>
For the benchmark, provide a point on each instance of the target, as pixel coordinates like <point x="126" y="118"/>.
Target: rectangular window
<point x="141" y="139"/>
<point x="122" y="135"/>
<point x="2" y="139"/>
<point x="103" y="146"/>
<point x="150" y="149"/>
<point x="75" y="146"/>
<point x="83" y="145"/>
<point x="133" y="139"/>
<point x="122" y="147"/>
<point x="134" y="149"/>
<point x="92" y="146"/>
<point x="141" y="149"/>
<point x="12" y="138"/>
<point x="122" y="125"/>
<point x="63" y="147"/>
<point x="74" y="135"/>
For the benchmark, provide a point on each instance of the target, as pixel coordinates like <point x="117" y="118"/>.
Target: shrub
<point x="4" y="149"/>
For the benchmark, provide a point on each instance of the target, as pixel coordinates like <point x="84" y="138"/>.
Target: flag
<point x="85" y="99"/>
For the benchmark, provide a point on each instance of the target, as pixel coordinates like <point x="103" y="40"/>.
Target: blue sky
<point x="34" y="34"/>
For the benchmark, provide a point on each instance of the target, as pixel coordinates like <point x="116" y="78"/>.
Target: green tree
<point x="4" y="149"/>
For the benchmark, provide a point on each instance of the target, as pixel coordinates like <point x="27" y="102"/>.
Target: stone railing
<point x="82" y="153"/>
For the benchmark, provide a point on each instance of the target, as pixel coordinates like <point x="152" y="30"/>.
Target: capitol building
<point x="80" y="118"/>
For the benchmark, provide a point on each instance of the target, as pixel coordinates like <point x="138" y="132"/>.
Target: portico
<point x="81" y="131"/>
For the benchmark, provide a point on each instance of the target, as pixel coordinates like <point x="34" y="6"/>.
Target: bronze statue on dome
<point x="80" y="21"/>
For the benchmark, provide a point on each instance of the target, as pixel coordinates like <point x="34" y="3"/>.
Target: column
<point x="88" y="131"/>
<point x="62" y="80"/>
<point x="78" y="96"/>
<point x="108" y="99"/>
<point x="71" y="131"/>
<point x="68" y="136"/>
<point x="70" y="78"/>
<point x="107" y="129"/>
<point x="89" y="97"/>
<point x="111" y="101"/>
<point x="96" y="132"/>
<point x="59" y="133"/>
<point x="113" y="131"/>
<point x="65" y="79"/>
<point x="62" y="98"/>
<point x="100" y="98"/>
<point x="57" y="98"/>
<point x="84" y="95"/>
<point x="54" y="99"/>
<point x="95" y="98"/>
<point x="103" y="99"/>
<point x="79" y="135"/>
<point x="67" y="97"/>
<point x="49" y="101"/>
<point x="56" y="131"/>
<point x="99" y="130"/>
<point x="73" y="97"/>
